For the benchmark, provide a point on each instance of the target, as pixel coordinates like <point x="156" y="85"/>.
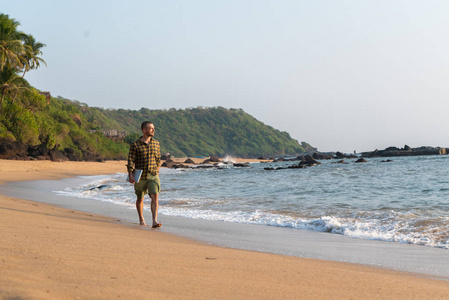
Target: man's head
<point x="147" y="128"/>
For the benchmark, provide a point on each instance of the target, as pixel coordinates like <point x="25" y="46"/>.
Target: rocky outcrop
<point x="340" y="162"/>
<point x="305" y="161"/>
<point x="241" y="165"/>
<point x="212" y="159"/>
<point x="13" y="150"/>
<point x="340" y="155"/>
<point x="168" y="164"/>
<point x="406" y="151"/>
<point x="298" y="158"/>
<point x="21" y="151"/>
<point x="317" y="155"/>
<point x="165" y="156"/>
<point x="57" y="155"/>
<point x="310" y="161"/>
<point x="189" y="161"/>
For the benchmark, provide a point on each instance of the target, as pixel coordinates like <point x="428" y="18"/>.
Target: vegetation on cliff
<point x="28" y="116"/>
<point x="204" y="131"/>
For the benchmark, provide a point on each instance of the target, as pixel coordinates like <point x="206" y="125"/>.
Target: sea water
<point x="405" y="200"/>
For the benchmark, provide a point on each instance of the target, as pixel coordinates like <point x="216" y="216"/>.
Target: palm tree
<point x="10" y="85"/>
<point x="32" y="53"/>
<point x="11" y="44"/>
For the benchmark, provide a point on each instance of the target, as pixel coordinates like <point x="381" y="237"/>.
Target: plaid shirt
<point x="144" y="156"/>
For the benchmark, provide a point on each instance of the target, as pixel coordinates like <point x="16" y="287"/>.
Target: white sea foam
<point x="376" y="201"/>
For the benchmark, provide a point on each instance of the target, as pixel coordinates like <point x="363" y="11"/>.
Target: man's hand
<point x="131" y="177"/>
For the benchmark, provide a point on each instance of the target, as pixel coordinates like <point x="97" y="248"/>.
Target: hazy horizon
<point x="339" y="75"/>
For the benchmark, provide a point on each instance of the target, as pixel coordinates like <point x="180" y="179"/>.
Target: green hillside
<point x="203" y="131"/>
<point x="66" y="124"/>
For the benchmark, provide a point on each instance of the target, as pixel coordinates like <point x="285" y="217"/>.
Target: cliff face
<point x="406" y="151"/>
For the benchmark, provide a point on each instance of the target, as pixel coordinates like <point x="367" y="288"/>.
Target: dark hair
<point x="145" y="124"/>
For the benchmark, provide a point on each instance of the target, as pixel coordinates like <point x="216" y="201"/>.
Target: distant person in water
<point x="145" y="154"/>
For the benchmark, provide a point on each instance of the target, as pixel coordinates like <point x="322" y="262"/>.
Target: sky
<point x="341" y="75"/>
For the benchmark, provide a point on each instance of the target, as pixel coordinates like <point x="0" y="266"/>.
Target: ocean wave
<point x="363" y="229"/>
<point x="377" y="202"/>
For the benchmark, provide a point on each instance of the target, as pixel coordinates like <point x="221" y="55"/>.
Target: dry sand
<point x="47" y="252"/>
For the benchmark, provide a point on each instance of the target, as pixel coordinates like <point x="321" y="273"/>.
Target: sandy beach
<point x="48" y="252"/>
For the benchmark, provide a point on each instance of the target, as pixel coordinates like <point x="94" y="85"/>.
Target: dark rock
<point x="58" y="156"/>
<point x="241" y="165"/>
<point x="298" y="166"/>
<point x="39" y="151"/>
<point x="212" y="159"/>
<point x="205" y="167"/>
<point x="20" y="151"/>
<point x="169" y="164"/>
<point x="69" y="151"/>
<point x="13" y="150"/>
<point x="72" y="156"/>
<point x="339" y="155"/>
<point x="181" y="166"/>
<point x="88" y="155"/>
<point x="301" y="158"/>
<point x="261" y="158"/>
<point x="386" y="161"/>
<point x="317" y="155"/>
<point x="310" y="161"/>
<point x="100" y="187"/>
<point x="165" y="156"/>
<point x="361" y="160"/>
<point x="392" y="149"/>
<point x="282" y="159"/>
<point x="407" y="151"/>
<point x="189" y="161"/>
<point x="340" y="162"/>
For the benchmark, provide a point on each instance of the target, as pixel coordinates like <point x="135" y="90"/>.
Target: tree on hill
<point x="19" y="52"/>
<point x="11" y="44"/>
<point x="32" y="53"/>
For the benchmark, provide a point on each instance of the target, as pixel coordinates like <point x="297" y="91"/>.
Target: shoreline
<point x="44" y="246"/>
<point x="431" y="262"/>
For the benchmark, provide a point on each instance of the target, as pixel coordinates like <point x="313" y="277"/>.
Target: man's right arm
<point x="131" y="164"/>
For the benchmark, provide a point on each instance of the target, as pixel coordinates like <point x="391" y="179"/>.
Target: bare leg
<point x="154" y="208"/>
<point x="139" y="206"/>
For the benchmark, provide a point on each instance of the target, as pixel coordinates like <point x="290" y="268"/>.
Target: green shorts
<point x="152" y="185"/>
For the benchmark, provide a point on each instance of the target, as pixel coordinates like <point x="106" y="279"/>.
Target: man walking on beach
<point x="145" y="154"/>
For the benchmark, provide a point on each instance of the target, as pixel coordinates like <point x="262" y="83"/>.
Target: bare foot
<point x="143" y="223"/>
<point x="156" y="225"/>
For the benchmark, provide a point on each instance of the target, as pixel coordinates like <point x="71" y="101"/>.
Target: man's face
<point x="149" y="130"/>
